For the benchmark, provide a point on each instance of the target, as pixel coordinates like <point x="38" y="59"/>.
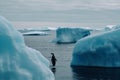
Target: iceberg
<point x="37" y="29"/>
<point x="17" y="61"/>
<point x="101" y="50"/>
<point x="111" y="27"/>
<point x="70" y="35"/>
<point x="39" y="33"/>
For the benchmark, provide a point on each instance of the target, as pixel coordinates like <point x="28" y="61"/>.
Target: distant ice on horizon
<point x="111" y="27"/>
<point x="39" y="33"/>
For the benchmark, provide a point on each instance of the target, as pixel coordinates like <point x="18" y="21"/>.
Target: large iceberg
<point x="17" y="61"/>
<point x="70" y="35"/>
<point x="101" y="50"/>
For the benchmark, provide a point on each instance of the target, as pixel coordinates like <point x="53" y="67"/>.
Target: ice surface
<point x="17" y="61"/>
<point x="35" y="33"/>
<point x="70" y="35"/>
<point x="102" y="50"/>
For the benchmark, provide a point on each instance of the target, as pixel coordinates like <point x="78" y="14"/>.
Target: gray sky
<point x="62" y="11"/>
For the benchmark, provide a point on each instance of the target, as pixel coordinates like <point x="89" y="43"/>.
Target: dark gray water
<point x="63" y="53"/>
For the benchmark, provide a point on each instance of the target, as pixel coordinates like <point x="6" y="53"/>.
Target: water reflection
<point x="53" y="69"/>
<point x="95" y="73"/>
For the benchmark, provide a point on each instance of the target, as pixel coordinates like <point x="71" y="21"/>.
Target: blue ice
<point x="101" y="50"/>
<point x="17" y="61"/>
<point x="70" y="35"/>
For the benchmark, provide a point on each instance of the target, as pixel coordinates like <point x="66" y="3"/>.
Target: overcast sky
<point x="66" y="11"/>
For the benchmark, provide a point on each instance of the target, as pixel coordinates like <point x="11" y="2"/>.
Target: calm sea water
<point x="63" y="53"/>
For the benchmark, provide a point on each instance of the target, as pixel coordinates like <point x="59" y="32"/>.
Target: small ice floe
<point x="35" y="33"/>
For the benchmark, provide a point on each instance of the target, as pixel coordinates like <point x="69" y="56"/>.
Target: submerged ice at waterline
<point x="102" y="50"/>
<point x="17" y="61"/>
